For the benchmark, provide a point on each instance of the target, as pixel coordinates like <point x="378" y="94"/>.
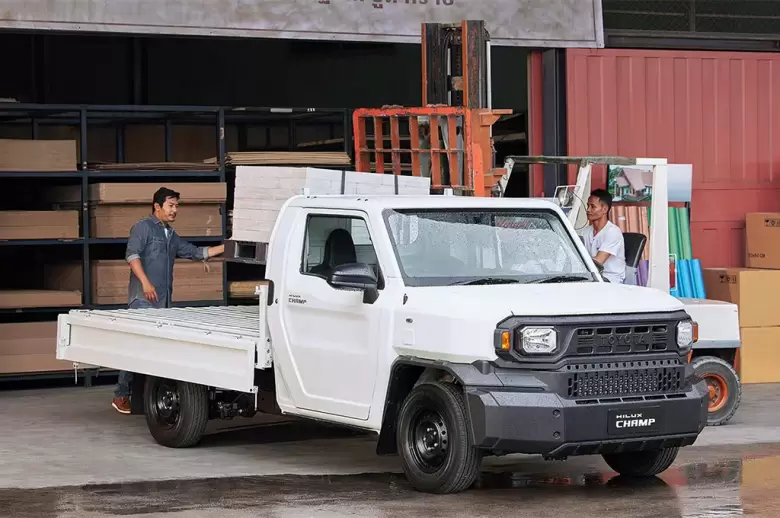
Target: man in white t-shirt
<point x="603" y="239"/>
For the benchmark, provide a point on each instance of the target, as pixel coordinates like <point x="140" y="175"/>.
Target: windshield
<point x="448" y="247"/>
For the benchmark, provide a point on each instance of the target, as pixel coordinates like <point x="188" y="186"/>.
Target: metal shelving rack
<point x="35" y="116"/>
<point x="84" y="117"/>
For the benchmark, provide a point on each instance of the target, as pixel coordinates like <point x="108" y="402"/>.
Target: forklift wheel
<point x="724" y="385"/>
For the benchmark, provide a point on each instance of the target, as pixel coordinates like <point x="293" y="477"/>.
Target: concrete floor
<point x="706" y="482"/>
<point x="72" y="437"/>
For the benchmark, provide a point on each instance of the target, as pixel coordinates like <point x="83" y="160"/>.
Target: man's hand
<point x="149" y="292"/>
<point x="214" y="251"/>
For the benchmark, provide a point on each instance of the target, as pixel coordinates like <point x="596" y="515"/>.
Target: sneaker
<point x="121" y="405"/>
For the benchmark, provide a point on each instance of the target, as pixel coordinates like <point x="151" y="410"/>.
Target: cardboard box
<point x="192" y="281"/>
<point x="759" y="357"/>
<point x="762" y="231"/>
<point x="38" y="155"/>
<point x="30" y="347"/>
<point x="754" y="291"/>
<point x="200" y="220"/>
<point x="49" y="224"/>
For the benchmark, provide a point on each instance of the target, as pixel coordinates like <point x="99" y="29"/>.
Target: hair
<point x="604" y="197"/>
<point x="162" y="194"/>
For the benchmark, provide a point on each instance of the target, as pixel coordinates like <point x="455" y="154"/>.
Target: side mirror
<point x="356" y="277"/>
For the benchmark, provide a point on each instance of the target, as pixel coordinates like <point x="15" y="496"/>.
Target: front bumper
<point x="513" y="420"/>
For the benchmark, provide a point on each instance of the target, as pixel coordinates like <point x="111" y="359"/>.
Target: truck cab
<point x="452" y="327"/>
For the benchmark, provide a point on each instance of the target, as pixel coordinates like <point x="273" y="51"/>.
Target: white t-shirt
<point x="610" y="240"/>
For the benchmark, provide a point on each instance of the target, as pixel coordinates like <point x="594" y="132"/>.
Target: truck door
<point x="332" y="336"/>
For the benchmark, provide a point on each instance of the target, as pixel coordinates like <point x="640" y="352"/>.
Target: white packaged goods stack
<point x="261" y="191"/>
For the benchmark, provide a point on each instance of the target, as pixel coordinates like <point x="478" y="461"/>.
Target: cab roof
<point x="381" y="202"/>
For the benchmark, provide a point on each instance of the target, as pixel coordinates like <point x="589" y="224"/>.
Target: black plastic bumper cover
<point x="505" y="420"/>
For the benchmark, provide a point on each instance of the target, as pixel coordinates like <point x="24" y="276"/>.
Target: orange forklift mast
<point x="449" y="139"/>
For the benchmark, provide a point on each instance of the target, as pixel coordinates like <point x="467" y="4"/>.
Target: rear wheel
<point x="641" y="463"/>
<point x="176" y="411"/>
<point x="724" y="387"/>
<point x="434" y="442"/>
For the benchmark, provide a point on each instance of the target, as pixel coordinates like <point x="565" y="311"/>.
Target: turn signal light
<point x="695" y="332"/>
<point x="506" y="341"/>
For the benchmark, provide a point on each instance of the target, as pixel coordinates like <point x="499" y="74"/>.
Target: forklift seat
<point x="634" y="244"/>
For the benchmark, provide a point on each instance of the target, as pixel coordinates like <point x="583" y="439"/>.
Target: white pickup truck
<point x="452" y="327"/>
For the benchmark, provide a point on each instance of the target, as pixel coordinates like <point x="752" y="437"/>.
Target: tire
<point x="434" y="416"/>
<point x="176" y="411"/>
<point x="641" y="463"/>
<point x="725" y="388"/>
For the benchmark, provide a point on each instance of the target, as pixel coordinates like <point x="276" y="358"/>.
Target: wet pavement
<point x="65" y="453"/>
<point x="705" y="482"/>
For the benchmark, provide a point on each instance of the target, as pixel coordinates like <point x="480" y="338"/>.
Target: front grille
<point x="622" y="379"/>
<point x="621" y="339"/>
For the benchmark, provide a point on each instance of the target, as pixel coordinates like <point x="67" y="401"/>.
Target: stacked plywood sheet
<point x="261" y="191"/>
<point x="116" y="207"/>
<point x="151" y="166"/>
<point x="107" y="221"/>
<point x="30" y="347"/>
<point x="192" y="281"/>
<point x="38" y="155"/>
<point x="50" y="224"/>
<point x="284" y="158"/>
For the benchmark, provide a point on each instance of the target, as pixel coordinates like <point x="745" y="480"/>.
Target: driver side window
<point x="332" y="241"/>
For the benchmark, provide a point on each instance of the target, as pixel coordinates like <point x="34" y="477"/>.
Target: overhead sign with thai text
<point x="528" y="23"/>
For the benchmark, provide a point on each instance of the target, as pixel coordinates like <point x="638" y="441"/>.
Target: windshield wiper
<point x="486" y="280"/>
<point x="560" y="278"/>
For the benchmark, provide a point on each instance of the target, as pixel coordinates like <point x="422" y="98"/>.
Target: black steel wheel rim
<point x="428" y="440"/>
<point x="167" y="404"/>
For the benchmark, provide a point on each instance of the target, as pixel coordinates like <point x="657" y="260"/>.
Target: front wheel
<point x="641" y="463"/>
<point x="434" y="442"/>
<point x="176" y="411"/>
<point x="724" y="387"/>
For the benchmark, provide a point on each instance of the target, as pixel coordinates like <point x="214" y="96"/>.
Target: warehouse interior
<point x="158" y="100"/>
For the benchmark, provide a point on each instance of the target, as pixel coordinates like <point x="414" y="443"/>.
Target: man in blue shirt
<point x="151" y="252"/>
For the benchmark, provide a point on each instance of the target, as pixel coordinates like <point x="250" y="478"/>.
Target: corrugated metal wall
<point x="719" y="111"/>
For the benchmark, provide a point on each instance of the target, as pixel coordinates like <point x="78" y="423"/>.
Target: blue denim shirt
<point x="157" y="253"/>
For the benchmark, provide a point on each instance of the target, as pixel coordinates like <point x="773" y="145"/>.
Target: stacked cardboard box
<point x="192" y="281"/>
<point x="754" y="289"/>
<point x="29" y="347"/>
<point x="262" y="191"/>
<point x="759" y="321"/>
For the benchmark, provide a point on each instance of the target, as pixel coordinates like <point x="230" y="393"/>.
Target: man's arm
<point x="612" y="244"/>
<point x="187" y="250"/>
<point x="139" y="236"/>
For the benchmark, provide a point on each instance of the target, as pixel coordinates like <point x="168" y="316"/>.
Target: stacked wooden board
<point x="39" y="224"/>
<point x="152" y="166"/>
<point x="38" y="155"/>
<point x="27" y="347"/>
<point x="192" y="281"/>
<point x="115" y="207"/>
<point x="284" y="158"/>
<point x="262" y="191"/>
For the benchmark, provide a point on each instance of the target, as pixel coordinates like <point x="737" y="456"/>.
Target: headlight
<point x="539" y="340"/>
<point x="684" y="334"/>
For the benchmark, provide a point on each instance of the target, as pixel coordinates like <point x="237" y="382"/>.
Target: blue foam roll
<point x="686" y="279"/>
<point x="698" y="279"/>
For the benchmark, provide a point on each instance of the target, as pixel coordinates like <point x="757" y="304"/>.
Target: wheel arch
<point x="405" y="374"/>
<point x="728" y="355"/>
